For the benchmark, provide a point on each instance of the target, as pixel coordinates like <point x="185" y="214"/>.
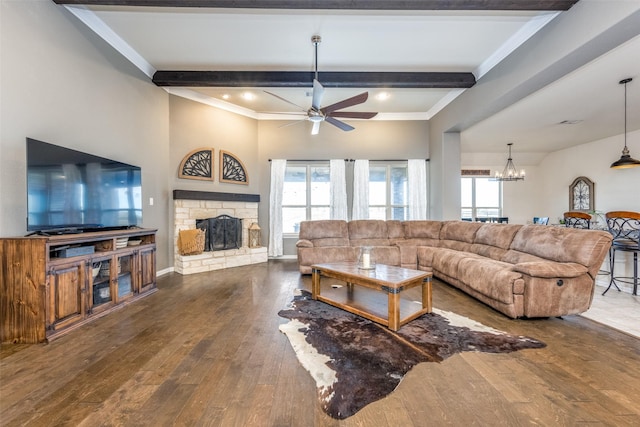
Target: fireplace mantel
<point x="215" y="196"/>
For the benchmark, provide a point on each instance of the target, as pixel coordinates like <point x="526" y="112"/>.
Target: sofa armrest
<point x="550" y="269"/>
<point x="304" y="243"/>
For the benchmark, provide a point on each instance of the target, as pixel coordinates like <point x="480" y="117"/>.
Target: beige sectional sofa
<point x="520" y="270"/>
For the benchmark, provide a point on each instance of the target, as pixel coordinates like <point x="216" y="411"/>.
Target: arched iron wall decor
<point x="198" y="164"/>
<point x="232" y="170"/>
<point x="581" y="192"/>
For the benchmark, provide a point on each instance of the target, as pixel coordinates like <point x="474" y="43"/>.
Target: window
<point x="305" y="195"/>
<point x="481" y="197"/>
<point x="388" y="191"/>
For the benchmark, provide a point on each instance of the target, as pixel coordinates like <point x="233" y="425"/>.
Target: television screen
<point x="69" y="189"/>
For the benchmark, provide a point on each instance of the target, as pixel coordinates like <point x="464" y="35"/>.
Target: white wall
<point x="62" y="84"/>
<point x="615" y="189"/>
<point x="545" y="191"/>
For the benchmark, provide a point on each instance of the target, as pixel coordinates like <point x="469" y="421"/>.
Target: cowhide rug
<point x="355" y="361"/>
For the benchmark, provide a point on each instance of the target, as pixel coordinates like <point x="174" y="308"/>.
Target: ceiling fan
<point x="317" y="114"/>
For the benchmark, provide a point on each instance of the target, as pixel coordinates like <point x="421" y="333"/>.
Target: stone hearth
<point x="187" y="210"/>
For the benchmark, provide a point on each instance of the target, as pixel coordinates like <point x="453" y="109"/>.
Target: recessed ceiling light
<point x="248" y="96"/>
<point x="382" y="96"/>
<point x="225" y="96"/>
<point x="570" y="122"/>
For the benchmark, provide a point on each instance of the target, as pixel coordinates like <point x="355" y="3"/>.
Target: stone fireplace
<point x="190" y="206"/>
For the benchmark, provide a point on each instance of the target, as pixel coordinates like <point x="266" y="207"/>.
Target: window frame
<point x="308" y="206"/>
<point x="389" y="206"/>
<point x="474" y="207"/>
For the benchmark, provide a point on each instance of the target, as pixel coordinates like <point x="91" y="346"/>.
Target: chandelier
<point x="625" y="161"/>
<point x="510" y="173"/>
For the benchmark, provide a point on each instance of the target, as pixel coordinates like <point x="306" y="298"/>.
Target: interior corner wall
<point x="62" y="84"/>
<point x="371" y="139"/>
<point x="196" y="125"/>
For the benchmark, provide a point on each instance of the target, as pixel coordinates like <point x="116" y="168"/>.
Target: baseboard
<point x="165" y="271"/>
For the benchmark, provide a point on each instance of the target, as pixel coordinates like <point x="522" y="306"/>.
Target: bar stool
<point x="577" y="219"/>
<point x="624" y="226"/>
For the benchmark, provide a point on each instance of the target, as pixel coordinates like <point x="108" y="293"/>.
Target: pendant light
<point x="510" y="173"/>
<point x="626" y="161"/>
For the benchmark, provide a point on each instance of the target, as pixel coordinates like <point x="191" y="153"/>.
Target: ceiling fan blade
<point x="288" y="102"/>
<point x="316" y="128"/>
<point x="355" y="100"/>
<point x="338" y="123"/>
<point x="353" y="114"/>
<point x="318" y="91"/>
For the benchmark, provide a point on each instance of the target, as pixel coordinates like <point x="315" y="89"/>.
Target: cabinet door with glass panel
<point x="125" y="278"/>
<point x="100" y="292"/>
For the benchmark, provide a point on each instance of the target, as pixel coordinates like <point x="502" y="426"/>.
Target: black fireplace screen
<point x="222" y="232"/>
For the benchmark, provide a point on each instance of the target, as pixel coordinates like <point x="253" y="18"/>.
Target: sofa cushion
<point x="368" y="232"/>
<point x="389" y="255"/>
<point x="517" y="257"/>
<point x="310" y="256"/>
<point x="492" y="278"/>
<point x="330" y="232"/>
<point x="419" y="229"/>
<point x="493" y="240"/>
<point x="461" y="231"/>
<point x="446" y="260"/>
<point x="395" y="229"/>
<point x="561" y="244"/>
<point x="458" y="235"/>
<point x="498" y="235"/>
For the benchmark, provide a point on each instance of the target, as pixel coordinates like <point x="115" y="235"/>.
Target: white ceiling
<point x="460" y="41"/>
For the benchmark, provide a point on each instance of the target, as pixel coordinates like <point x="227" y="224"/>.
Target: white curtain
<point x="338" y="189"/>
<point x="360" y="208"/>
<point x="278" y="167"/>
<point x="417" y="188"/>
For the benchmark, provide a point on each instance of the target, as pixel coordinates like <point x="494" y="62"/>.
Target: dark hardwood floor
<point x="206" y="350"/>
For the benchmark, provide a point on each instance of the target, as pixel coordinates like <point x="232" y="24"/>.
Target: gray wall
<point x="194" y="125"/>
<point x="372" y="140"/>
<point x="62" y="84"/>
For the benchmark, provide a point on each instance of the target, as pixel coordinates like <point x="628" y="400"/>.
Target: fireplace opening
<point x="221" y="233"/>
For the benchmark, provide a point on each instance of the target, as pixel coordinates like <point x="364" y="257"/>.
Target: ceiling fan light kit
<point x="317" y="114"/>
<point x="625" y="161"/>
<point x="509" y="173"/>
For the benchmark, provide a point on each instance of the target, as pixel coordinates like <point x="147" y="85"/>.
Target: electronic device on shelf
<point x="69" y="191"/>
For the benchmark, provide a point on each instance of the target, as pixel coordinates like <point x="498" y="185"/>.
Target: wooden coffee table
<point x="365" y="289"/>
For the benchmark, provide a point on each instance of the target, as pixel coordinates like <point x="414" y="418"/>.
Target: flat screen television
<point x="72" y="191"/>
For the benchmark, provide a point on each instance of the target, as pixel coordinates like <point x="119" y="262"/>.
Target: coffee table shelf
<point x="365" y="291"/>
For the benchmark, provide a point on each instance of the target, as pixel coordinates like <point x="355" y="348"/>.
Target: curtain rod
<point x="348" y="160"/>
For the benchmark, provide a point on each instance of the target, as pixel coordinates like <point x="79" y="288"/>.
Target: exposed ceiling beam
<point x="305" y="79"/>
<point x="540" y="5"/>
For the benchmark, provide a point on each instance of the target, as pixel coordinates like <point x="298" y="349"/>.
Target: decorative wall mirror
<point x="581" y="193"/>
